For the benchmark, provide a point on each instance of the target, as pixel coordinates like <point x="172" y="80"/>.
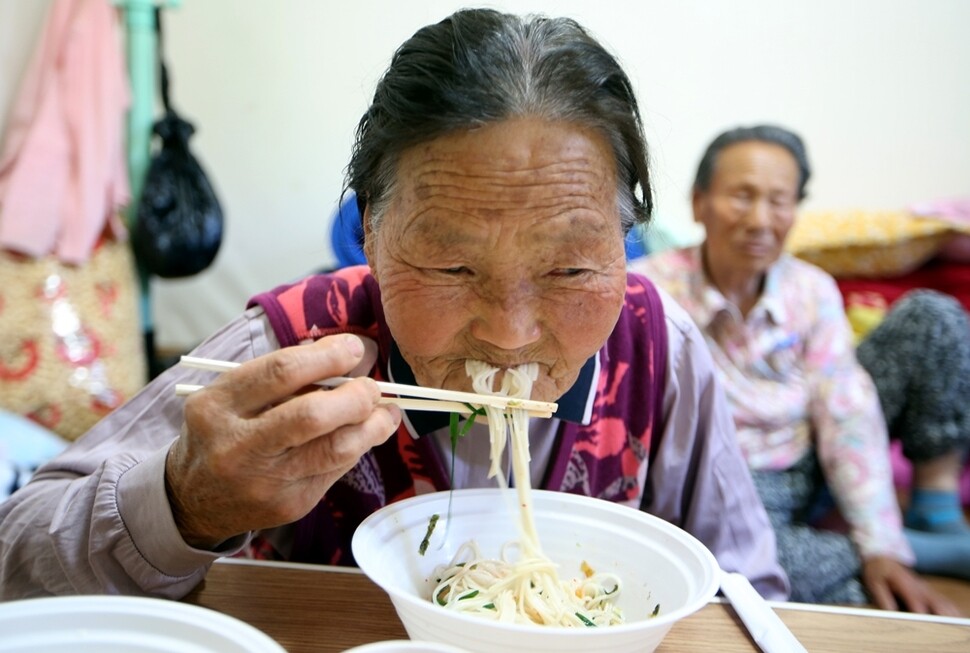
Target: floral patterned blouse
<point x="793" y="383"/>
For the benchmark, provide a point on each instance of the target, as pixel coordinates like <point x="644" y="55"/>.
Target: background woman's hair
<point x="480" y="66"/>
<point x="763" y="133"/>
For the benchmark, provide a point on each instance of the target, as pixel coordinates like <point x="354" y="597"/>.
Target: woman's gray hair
<point x="763" y="133"/>
<point x="480" y="66"/>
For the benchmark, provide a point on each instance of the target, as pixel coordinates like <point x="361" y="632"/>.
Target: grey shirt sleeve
<point x="96" y="519"/>
<point x="699" y="479"/>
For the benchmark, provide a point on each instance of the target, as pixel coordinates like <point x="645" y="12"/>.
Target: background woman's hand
<point x="259" y="448"/>
<point x="891" y="583"/>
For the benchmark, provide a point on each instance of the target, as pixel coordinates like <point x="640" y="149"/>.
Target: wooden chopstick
<point x="452" y="401"/>
<point x="430" y="405"/>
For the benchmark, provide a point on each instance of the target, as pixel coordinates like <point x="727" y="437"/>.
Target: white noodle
<point x="522" y="586"/>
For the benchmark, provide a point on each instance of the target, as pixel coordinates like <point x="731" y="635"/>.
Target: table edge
<point x="777" y="605"/>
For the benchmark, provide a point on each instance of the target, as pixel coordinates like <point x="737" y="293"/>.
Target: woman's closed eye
<point x="782" y="202"/>
<point x="454" y="271"/>
<point x="569" y="272"/>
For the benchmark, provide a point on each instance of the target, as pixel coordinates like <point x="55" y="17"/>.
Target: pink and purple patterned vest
<point x="602" y="459"/>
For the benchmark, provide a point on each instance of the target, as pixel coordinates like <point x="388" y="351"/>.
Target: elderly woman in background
<point x="497" y="170"/>
<point x="807" y="414"/>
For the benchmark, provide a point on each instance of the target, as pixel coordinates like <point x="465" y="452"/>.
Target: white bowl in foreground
<point x="658" y="563"/>
<point x="405" y="646"/>
<point x="124" y="624"/>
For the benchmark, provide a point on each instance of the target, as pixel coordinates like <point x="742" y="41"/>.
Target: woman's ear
<point x="697" y="205"/>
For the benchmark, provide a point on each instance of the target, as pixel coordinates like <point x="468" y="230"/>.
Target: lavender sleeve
<point x="699" y="475"/>
<point x="96" y="519"/>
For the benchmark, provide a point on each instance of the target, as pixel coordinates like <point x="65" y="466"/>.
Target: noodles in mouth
<point x="522" y="585"/>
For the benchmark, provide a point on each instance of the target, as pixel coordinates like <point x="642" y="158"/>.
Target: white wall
<point x="880" y="89"/>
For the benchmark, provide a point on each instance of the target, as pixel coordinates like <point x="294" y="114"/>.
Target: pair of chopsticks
<point x="432" y="399"/>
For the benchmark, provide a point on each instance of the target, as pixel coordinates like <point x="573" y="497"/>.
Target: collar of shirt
<point x="574" y="406"/>
<point x="711" y="302"/>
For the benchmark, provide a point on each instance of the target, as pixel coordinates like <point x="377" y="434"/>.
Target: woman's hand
<point x="259" y="448"/>
<point x="887" y="580"/>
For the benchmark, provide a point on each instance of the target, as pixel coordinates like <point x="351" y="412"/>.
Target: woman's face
<point x="749" y="207"/>
<point x="502" y="244"/>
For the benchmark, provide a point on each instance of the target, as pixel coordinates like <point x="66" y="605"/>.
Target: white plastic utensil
<point x="767" y="630"/>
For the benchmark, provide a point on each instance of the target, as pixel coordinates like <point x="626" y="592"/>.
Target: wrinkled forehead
<point x="756" y="159"/>
<point x="516" y="165"/>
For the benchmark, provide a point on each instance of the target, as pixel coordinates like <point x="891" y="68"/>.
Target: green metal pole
<point x="142" y="65"/>
<point x="142" y="46"/>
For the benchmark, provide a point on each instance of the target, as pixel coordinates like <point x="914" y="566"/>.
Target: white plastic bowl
<point x="405" y="646"/>
<point x="657" y="562"/>
<point x="124" y="624"/>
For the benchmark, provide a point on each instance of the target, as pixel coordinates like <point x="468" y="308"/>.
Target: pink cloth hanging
<point x="62" y="168"/>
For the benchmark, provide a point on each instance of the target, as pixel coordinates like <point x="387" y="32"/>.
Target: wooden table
<point x="315" y="609"/>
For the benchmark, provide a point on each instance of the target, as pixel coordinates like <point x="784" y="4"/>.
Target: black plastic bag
<point x="179" y="223"/>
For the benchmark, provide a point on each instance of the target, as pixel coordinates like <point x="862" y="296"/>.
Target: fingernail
<point x="395" y="413"/>
<point x="354" y="345"/>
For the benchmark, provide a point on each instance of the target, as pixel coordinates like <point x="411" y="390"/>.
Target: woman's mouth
<point x="758" y="248"/>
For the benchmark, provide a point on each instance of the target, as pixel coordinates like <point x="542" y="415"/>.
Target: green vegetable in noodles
<point x="458" y="432"/>
<point x="427" y="536"/>
<point x="585" y="620"/>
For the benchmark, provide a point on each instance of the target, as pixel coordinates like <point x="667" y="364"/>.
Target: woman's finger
<point x="272" y="378"/>
<point x="335" y="452"/>
<point x="310" y="415"/>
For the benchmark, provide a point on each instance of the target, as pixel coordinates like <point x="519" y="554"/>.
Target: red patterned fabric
<point x="946" y="277"/>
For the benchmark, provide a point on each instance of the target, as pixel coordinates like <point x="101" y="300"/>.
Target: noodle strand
<point x="522" y="585"/>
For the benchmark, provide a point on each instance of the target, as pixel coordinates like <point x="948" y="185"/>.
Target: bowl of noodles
<point x="479" y="570"/>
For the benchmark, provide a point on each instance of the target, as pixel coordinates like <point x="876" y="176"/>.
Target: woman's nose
<point x="759" y="214"/>
<point x="507" y="320"/>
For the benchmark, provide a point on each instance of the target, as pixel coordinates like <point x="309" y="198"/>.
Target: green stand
<point x="142" y="46"/>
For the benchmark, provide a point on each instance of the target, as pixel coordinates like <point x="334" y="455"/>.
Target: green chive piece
<point x="455" y="432"/>
<point x="470" y="595"/>
<point x="423" y="547"/>
<point x="467" y="426"/>
<point x="453" y="428"/>
<point x="585" y="620"/>
<point x="656" y="611"/>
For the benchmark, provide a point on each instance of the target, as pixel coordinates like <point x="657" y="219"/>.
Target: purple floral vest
<point x="605" y="459"/>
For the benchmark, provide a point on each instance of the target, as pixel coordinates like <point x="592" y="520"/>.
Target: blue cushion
<point x="24" y="446"/>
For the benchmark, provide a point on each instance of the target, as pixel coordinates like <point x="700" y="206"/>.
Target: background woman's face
<point x="502" y="244"/>
<point x="749" y="207"/>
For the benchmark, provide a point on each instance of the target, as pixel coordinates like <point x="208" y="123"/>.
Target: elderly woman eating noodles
<point x="497" y="170"/>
